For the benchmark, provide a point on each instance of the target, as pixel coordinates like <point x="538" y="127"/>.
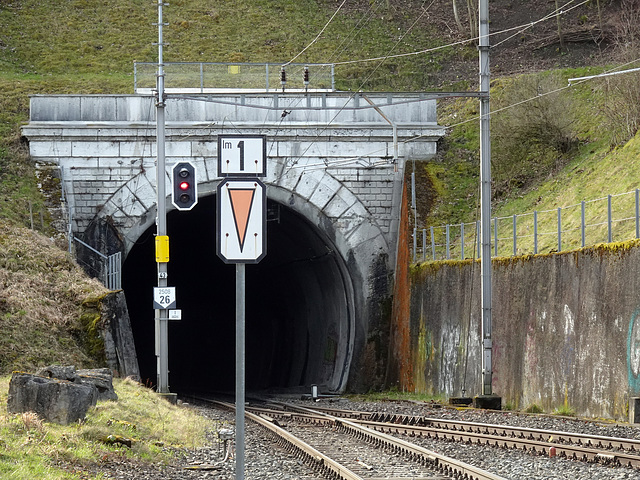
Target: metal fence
<point x="107" y="268"/>
<point x="205" y="76"/>
<point x="607" y="219"/>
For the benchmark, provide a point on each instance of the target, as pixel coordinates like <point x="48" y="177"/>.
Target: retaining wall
<point x="566" y="329"/>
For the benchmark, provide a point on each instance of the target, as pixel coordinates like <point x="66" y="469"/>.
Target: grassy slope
<point x="589" y="172"/>
<point x="33" y="449"/>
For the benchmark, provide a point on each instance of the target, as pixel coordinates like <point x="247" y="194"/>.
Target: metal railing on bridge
<point x="607" y="219"/>
<point x="110" y="271"/>
<point x="202" y="77"/>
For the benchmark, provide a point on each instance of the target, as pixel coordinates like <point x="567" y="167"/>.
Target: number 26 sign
<point x="164" y="297"/>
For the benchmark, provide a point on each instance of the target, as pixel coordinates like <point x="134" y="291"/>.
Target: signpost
<point x="241" y="239"/>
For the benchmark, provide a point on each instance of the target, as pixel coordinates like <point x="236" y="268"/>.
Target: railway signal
<point x="185" y="186"/>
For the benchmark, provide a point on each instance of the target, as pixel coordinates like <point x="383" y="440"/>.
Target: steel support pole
<point x="240" y="368"/>
<point x="485" y="197"/>
<point x="162" y="315"/>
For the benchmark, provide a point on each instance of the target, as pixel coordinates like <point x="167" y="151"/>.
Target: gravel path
<point x="266" y="461"/>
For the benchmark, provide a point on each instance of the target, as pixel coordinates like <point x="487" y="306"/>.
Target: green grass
<point x="31" y="448"/>
<point x="589" y="172"/>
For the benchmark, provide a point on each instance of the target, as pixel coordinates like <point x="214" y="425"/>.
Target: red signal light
<point x="184" y="185"/>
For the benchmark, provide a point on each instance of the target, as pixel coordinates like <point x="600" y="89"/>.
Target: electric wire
<point x="317" y="36"/>
<point x="424" y="10"/>
<point x="520" y="28"/>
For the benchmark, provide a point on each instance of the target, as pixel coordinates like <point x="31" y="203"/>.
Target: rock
<point x="103" y="381"/>
<point x="101" y="378"/>
<point x="57" y="401"/>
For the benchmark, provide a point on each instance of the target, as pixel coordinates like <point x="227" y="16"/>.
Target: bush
<point x="530" y="138"/>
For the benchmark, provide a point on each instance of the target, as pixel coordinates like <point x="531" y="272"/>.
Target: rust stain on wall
<point x="400" y="368"/>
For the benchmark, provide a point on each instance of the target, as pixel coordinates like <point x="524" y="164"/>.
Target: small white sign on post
<point x="242" y="155"/>
<point x="164" y="297"/>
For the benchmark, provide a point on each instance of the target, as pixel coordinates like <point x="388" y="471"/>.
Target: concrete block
<point x="325" y="191"/>
<point x="488" y="402"/>
<point x="50" y="149"/>
<point x="308" y="184"/>
<point x="634" y="410"/>
<point x="95" y="149"/>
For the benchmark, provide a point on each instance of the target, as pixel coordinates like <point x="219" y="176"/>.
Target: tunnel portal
<point x="298" y="308"/>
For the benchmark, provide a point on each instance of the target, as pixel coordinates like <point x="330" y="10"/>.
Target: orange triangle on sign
<point x="241" y="202"/>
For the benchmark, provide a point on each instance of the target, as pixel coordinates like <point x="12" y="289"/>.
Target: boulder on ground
<point x="101" y="378"/>
<point x="103" y="381"/>
<point x="58" y="401"/>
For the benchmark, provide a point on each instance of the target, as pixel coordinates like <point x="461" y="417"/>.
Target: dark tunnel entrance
<point x="298" y="313"/>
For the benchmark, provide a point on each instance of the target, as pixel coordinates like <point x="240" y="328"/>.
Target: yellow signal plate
<point x="162" y="248"/>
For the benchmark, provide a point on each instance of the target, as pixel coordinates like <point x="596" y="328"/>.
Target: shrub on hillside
<point x="532" y="134"/>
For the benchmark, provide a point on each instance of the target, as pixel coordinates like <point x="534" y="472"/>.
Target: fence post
<point x="415" y="243"/>
<point x="479" y="255"/>
<point x="609" y="220"/>
<point x="447" y="235"/>
<point x="424" y="244"/>
<point x="201" y="77"/>
<point x="462" y="241"/>
<point x="559" y="229"/>
<point x="582" y="223"/>
<point x="433" y="244"/>
<point x="535" y="231"/>
<point x="267" y="74"/>
<point x="515" y="236"/>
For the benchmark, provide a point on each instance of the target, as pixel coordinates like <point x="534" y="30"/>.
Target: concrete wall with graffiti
<point x="566" y="330"/>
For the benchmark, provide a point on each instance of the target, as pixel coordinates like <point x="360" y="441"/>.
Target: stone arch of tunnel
<point x="299" y="306"/>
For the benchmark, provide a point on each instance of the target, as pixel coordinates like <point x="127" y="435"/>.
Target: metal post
<point x="609" y="220"/>
<point x="535" y="231"/>
<point x="447" y="242"/>
<point x="424" y="244"/>
<point x="559" y="229"/>
<point x="515" y="235"/>
<point x="162" y="315"/>
<point x="478" y="241"/>
<point x="201" y="77"/>
<point x="433" y="244"/>
<point x="583" y="231"/>
<point x="462" y="241"/>
<point x="485" y="197"/>
<point x="415" y="243"/>
<point x="333" y="77"/>
<point x="240" y="368"/>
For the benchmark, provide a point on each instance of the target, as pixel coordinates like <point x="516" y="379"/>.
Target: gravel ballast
<point x="267" y="461"/>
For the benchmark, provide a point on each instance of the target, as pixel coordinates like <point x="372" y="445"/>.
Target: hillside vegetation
<point x="558" y="148"/>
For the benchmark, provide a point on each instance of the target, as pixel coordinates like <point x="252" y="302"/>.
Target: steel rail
<point x="443" y="464"/>
<point x="594" y="448"/>
<point x="315" y="459"/>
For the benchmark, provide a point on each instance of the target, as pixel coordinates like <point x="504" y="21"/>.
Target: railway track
<point x="337" y="448"/>
<point x="590" y="448"/>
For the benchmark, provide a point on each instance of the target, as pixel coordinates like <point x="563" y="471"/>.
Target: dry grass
<point x="41" y="292"/>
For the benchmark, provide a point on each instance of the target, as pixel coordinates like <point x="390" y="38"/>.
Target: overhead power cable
<point x="319" y="34"/>
<point x="520" y="28"/>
